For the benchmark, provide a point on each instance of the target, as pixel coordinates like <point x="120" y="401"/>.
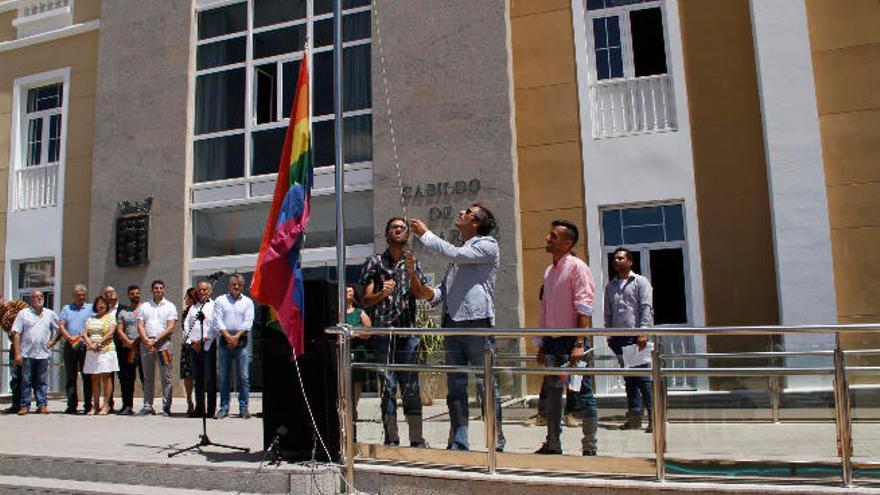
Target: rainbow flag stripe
<point x="277" y="278"/>
<point x="165" y="356"/>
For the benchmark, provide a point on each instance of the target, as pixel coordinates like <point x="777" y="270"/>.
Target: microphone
<point x="216" y="275"/>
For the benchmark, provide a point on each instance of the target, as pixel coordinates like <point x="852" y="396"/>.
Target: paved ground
<point x="150" y="438"/>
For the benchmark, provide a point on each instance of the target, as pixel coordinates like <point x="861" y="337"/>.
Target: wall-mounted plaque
<point x="133" y="233"/>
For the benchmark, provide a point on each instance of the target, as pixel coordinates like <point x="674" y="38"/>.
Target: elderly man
<point x="199" y="329"/>
<point x="156" y="320"/>
<point x="468" y="294"/>
<point x="233" y="319"/>
<point x="566" y="302"/>
<point x="31" y="333"/>
<point x="72" y="321"/>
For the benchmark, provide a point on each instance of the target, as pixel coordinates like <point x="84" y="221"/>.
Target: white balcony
<point x="623" y="107"/>
<point x="40" y="16"/>
<point x="36" y="187"/>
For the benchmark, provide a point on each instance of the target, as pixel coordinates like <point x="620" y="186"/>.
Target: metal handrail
<point x="839" y="370"/>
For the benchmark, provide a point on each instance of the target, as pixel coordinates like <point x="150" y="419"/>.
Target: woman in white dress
<point x="101" y="356"/>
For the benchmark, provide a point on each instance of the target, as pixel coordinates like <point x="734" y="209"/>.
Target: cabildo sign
<point x="433" y="189"/>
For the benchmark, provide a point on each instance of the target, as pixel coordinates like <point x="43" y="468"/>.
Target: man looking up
<point x="391" y="283"/>
<point x="31" y="333"/>
<point x="156" y="319"/>
<point x="566" y="302"/>
<point x="128" y="348"/>
<point x="72" y="321"/>
<point x="233" y="319"/>
<point x="629" y="301"/>
<point x="468" y="294"/>
<point x="199" y="325"/>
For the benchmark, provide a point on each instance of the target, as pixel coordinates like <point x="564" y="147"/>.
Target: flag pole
<point x="340" y="157"/>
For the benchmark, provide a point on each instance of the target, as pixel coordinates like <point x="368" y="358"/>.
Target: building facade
<point x="728" y="143"/>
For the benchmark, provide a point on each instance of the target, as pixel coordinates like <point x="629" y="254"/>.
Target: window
<point x="628" y="38"/>
<point x="37" y="275"/>
<point x="655" y="236"/>
<point x="43" y="125"/>
<point x="239" y="135"/>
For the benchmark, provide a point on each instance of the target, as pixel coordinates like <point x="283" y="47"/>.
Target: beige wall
<point x="845" y="43"/>
<point x="548" y="135"/>
<point x="80" y="54"/>
<point x="7" y="30"/>
<point x="730" y="172"/>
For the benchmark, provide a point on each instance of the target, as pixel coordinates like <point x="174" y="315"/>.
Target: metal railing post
<point x="489" y="406"/>
<point x="775" y="391"/>
<point x="842" y="410"/>
<point x="346" y="412"/>
<point x="658" y="418"/>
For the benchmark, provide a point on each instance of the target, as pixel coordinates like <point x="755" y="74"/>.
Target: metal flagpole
<point x="340" y="159"/>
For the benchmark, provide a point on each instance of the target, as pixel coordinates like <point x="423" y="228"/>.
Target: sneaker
<point x="244" y="414"/>
<point x="589" y="453"/>
<point x="23" y="411"/>
<point x="147" y="410"/>
<point x="43" y="410"/>
<point x="222" y="413"/>
<point x="166" y="413"/>
<point x="536" y="420"/>
<point x="572" y="421"/>
<point x="545" y="450"/>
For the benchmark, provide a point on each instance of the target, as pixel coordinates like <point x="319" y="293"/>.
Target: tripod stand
<point x="204" y="441"/>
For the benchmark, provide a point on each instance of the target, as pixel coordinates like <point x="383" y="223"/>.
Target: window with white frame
<point x="36" y="275"/>
<point x="630" y="85"/>
<point x="40" y="143"/>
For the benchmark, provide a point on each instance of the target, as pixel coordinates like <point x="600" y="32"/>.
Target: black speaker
<point x="284" y="404"/>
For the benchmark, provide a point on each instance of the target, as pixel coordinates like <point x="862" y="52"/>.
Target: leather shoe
<point x="70" y="410"/>
<point x="536" y="420"/>
<point x="244" y="414"/>
<point x="11" y="410"/>
<point x="589" y="452"/>
<point x="23" y="411"/>
<point x="43" y="410"/>
<point x="545" y="450"/>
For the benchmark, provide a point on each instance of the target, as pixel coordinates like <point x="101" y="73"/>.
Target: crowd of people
<point x="106" y="338"/>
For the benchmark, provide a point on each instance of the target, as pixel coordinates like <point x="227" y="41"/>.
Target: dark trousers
<point x="204" y="369"/>
<point x="14" y="381"/>
<point x="575" y="402"/>
<point x="73" y="364"/>
<point x="127" y="372"/>
<point x="553" y="405"/>
<point x="638" y="393"/>
<point x="467" y="350"/>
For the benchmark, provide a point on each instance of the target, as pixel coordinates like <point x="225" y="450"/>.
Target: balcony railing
<point x="624" y="107"/>
<point x="40" y="16"/>
<point x="37" y="186"/>
<point x="689" y="456"/>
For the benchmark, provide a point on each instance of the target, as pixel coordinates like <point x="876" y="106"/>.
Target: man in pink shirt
<point x="566" y="302"/>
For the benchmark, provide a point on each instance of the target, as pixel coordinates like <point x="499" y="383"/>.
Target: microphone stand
<point x="204" y="441"/>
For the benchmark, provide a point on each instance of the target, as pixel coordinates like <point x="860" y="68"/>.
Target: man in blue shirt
<point x="72" y="321"/>
<point x="468" y="294"/>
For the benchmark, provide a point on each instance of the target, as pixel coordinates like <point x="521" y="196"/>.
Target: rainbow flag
<point x="277" y="278"/>
<point x="165" y="357"/>
<point x="75" y="341"/>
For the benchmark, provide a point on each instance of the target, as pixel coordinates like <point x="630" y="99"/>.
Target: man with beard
<point x="128" y="348"/>
<point x="391" y="282"/>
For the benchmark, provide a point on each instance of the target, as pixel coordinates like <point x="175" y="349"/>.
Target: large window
<point x="247" y="58"/>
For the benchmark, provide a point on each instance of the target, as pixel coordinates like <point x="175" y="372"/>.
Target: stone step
<point x="22" y="484"/>
<point x="286" y="478"/>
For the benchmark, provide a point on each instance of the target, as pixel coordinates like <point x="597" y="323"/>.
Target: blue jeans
<point x="240" y="357"/>
<point x="467" y="350"/>
<point x="14" y="381"/>
<point x="554" y="386"/>
<point x="638" y="393"/>
<point x="34" y="374"/>
<point x="401" y="349"/>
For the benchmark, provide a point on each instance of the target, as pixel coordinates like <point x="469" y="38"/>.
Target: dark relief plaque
<point x="132" y="237"/>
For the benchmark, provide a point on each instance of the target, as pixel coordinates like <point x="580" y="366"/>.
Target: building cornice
<point x="57" y="34"/>
<point x="6" y="5"/>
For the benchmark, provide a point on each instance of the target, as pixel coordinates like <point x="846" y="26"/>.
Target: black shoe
<point x="392" y="443"/>
<point x="166" y="412"/>
<point x="589" y="452"/>
<point x="419" y="445"/>
<point x="125" y="411"/>
<point x="11" y="410"/>
<point x="244" y="414"/>
<point x="545" y="450"/>
<point x="70" y="410"/>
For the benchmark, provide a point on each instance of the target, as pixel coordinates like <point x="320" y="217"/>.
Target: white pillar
<point x="796" y="177"/>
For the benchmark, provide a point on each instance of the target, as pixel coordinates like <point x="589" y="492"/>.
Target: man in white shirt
<point x="199" y="330"/>
<point x="31" y="333"/>
<point x="156" y="319"/>
<point x="233" y="319"/>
